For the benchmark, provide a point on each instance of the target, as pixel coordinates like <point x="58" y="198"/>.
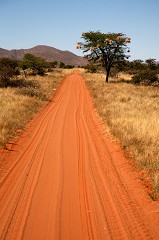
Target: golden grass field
<point x="131" y="114"/>
<point x="19" y="104"/>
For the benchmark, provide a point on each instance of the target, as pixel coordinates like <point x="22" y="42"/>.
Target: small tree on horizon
<point x="151" y="63"/>
<point x="108" y="49"/>
<point x="37" y="64"/>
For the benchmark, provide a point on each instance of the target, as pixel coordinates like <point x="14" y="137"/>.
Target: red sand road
<point x="66" y="181"/>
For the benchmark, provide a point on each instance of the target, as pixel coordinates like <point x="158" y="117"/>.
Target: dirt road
<point x="66" y="181"/>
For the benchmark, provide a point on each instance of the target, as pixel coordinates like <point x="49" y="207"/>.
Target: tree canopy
<point x="107" y="49"/>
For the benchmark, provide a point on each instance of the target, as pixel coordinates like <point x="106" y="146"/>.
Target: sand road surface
<point x="66" y="180"/>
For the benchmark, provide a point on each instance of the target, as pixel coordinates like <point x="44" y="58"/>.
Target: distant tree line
<point x="131" y="67"/>
<point x="30" y="64"/>
<point x="144" y="72"/>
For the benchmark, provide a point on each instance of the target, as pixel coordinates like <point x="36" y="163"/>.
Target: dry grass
<point x="19" y="104"/>
<point x="132" y="115"/>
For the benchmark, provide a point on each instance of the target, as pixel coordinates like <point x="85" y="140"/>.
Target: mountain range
<point x="50" y="54"/>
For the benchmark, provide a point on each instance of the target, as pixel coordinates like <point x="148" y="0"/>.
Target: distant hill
<point x="50" y="54"/>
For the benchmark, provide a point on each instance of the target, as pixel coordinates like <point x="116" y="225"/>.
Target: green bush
<point x="91" y="67"/>
<point x="7" y="71"/>
<point x="36" y="64"/>
<point x="146" y="77"/>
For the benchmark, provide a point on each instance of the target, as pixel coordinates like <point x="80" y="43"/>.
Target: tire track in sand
<point x="69" y="182"/>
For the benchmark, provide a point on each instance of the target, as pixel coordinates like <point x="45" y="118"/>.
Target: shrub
<point x="20" y="83"/>
<point x="7" y="71"/>
<point x="32" y="92"/>
<point x="61" y="65"/>
<point x="36" y="64"/>
<point x="146" y="77"/>
<point x="91" y="67"/>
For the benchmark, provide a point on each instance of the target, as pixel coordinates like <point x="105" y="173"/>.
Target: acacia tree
<point x="108" y="49"/>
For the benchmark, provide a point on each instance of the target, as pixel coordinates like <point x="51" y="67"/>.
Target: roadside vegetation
<point x="128" y="106"/>
<point x="130" y="112"/>
<point x="23" y="93"/>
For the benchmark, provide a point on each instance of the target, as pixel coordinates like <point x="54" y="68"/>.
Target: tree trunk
<point x="107" y="74"/>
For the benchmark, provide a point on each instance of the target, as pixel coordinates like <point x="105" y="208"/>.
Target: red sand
<point x="65" y="180"/>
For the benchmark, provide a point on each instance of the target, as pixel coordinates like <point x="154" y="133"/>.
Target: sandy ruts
<point x="69" y="183"/>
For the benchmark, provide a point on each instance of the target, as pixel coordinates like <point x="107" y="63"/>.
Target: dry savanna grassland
<point x="131" y="114"/>
<point x="23" y="99"/>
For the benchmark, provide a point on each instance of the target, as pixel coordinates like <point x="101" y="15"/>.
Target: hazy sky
<point x="27" y="23"/>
